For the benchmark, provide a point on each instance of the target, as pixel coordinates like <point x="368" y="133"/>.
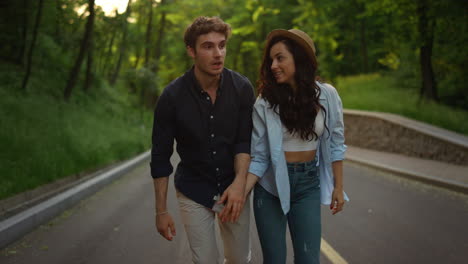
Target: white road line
<point x="331" y="254"/>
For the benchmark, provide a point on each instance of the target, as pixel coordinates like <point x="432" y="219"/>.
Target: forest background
<point x="78" y="83"/>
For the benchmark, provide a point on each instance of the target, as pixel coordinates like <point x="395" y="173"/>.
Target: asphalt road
<point x="394" y="220"/>
<point x="389" y="220"/>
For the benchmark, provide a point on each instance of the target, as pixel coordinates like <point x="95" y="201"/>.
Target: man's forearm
<point x="160" y="193"/>
<point x="241" y="166"/>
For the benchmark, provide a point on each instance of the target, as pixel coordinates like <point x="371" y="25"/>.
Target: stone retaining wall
<point x="379" y="131"/>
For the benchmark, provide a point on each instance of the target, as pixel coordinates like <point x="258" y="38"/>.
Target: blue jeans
<point x="303" y="218"/>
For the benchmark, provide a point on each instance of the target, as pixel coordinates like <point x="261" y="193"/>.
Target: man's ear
<point x="191" y="52"/>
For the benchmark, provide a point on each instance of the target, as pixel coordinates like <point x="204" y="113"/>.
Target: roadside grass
<point x="374" y="92"/>
<point x="43" y="138"/>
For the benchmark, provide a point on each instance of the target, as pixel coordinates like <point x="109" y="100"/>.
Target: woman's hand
<point x="337" y="201"/>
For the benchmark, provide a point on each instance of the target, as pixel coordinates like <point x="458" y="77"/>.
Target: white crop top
<point x="293" y="142"/>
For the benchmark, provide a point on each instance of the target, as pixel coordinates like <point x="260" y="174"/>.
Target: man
<point x="208" y="111"/>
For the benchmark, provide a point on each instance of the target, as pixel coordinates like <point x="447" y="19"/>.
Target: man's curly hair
<point x="204" y="25"/>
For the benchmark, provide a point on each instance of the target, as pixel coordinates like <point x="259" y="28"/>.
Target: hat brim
<point x="309" y="48"/>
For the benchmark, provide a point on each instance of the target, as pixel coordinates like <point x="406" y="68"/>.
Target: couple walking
<point x="287" y="145"/>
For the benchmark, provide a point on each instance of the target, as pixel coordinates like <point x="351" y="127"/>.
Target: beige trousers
<point x="199" y="223"/>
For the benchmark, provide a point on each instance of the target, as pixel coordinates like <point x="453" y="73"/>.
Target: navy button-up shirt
<point x="207" y="135"/>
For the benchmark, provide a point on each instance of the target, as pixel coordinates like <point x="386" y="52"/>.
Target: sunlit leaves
<point x="391" y="60"/>
<point x="249" y="46"/>
<point x="244" y="30"/>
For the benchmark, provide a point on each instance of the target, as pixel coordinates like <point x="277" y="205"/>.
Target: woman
<point x="297" y="149"/>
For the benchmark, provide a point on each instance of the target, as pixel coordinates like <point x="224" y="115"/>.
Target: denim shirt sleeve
<point x="338" y="148"/>
<point x="259" y="151"/>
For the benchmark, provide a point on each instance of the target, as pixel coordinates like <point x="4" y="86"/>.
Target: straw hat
<point x="300" y="37"/>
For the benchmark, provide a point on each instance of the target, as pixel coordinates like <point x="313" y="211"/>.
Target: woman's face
<point x="282" y="65"/>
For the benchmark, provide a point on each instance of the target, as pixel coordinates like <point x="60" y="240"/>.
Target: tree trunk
<point x="77" y="25"/>
<point x="89" y="62"/>
<point x="58" y="21"/>
<point x="108" y="56"/>
<point x="31" y="48"/>
<point x="24" y="34"/>
<point x="426" y="30"/>
<point x="123" y="45"/>
<point x="162" y="25"/>
<point x="73" y="77"/>
<point x="89" y="66"/>
<point x="149" y="28"/>
<point x="137" y="59"/>
<point x="365" y="60"/>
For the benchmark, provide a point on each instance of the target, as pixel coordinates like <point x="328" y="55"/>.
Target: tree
<point x="73" y="76"/>
<point x="162" y="26"/>
<point x="412" y="26"/>
<point x="89" y="66"/>
<point x="426" y="31"/>
<point x="33" y="43"/>
<point x="123" y="44"/>
<point x="58" y="21"/>
<point x="417" y="42"/>
<point x="107" y="54"/>
<point x="24" y="33"/>
<point x="149" y="29"/>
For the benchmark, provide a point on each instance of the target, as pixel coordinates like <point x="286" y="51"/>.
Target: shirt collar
<point x="197" y="86"/>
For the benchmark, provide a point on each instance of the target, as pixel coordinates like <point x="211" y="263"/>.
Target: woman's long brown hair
<point x="297" y="109"/>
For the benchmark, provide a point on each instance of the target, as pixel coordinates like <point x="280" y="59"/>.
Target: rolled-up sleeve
<point x="247" y="98"/>
<point x="260" y="152"/>
<point x="162" y="137"/>
<point x="338" y="148"/>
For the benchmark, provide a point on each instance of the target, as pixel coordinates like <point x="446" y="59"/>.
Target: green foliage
<point x="374" y="92"/>
<point x="450" y="54"/>
<point x="391" y="60"/>
<point x="352" y="37"/>
<point x="402" y="38"/>
<point x="44" y="139"/>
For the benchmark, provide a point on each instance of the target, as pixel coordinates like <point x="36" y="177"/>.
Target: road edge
<point x="16" y="226"/>
<point x="444" y="183"/>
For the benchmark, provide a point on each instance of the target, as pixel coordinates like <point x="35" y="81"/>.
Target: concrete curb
<point x="20" y="224"/>
<point x="421" y="127"/>
<point x="445" y="183"/>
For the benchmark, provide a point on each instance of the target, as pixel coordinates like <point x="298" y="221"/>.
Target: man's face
<point x="209" y="53"/>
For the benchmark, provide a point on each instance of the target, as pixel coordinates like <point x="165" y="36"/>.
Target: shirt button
<point x="211" y="117"/>
<point x="207" y="98"/>
<point x="212" y="135"/>
<point x="214" y="152"/>
<point x="217" y="169"/>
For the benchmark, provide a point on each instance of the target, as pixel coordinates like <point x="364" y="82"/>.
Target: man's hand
<point x="165" y="226"/>
<point x="234" y="195"/>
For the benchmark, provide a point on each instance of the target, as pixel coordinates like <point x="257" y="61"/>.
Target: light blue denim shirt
<point x="268" y="161"/>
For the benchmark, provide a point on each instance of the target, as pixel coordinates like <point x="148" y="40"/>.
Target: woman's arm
<point x="259" y="149"/>
<point x="250" y="183"/>
<point x="337" y="201"/>
<point x="338" y="149"/>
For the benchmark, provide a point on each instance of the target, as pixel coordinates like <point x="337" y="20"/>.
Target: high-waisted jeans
<point x="303" y="218"/>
